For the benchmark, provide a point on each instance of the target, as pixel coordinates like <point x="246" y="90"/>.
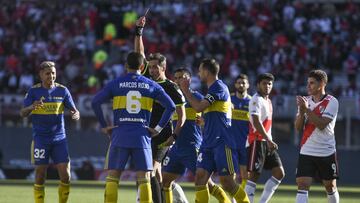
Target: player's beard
<point x="240" y="91"/>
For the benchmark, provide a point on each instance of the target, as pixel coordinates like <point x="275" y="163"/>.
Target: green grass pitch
<point x="13" y="191"/>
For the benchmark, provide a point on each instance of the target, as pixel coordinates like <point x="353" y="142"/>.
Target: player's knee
<point x="201" y="177"/>
<point x="167" y="180"/>
<point x="302" y="184"/>
<point x="140" y="175"/>
<point x="227" y="183"/>
<point x="278" y="173"/>
<point x="40" y="172"/>
<point x="167" y="183"/>
<point x="65" y="177"/>
<point x="330" y="186"/>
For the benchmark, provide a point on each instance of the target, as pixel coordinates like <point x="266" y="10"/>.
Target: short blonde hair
<point x="47" y="64"/>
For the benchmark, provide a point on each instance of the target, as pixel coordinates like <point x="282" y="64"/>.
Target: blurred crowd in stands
<point x="90" y="39"/>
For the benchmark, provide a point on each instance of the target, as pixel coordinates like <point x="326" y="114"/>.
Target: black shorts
<point x="159" y="152"/>
<point x="260" y="157"/>
<point x="325" y="168"/>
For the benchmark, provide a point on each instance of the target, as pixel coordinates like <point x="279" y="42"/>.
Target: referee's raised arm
<point x="138" y="42"/>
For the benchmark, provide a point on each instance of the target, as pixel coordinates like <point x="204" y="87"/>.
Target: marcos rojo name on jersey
<point x="134" y="85"/>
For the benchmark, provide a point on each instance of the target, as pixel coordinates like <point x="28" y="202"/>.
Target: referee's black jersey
<point x="145" y="71"/>
<point x="177" y="97"/>
<point x="175" y="94"/>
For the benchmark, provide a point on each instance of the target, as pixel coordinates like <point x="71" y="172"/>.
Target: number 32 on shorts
<point x="39" y="153"/>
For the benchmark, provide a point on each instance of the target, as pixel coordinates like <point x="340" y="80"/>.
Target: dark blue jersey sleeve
<point x="68" y="100"/>
<point x="29" y="98"/>
<point x="101" y="97"/>
<point x="165" y="100"/>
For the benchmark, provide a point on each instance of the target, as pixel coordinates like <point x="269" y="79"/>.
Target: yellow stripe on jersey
<point x="145" y="103"/>
<point x="219" y="106"/>
<point x="229" y="160"/>
<point x="191" y="114"/>
<point x="32" y="152"/>
<point x="50" y="108"/>
<point x="240" y="115"/>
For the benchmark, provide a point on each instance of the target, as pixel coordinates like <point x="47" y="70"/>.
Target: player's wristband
<point x="139" y="31"/>
<point x="158" y="128"/>
<point x="174" y="136"/>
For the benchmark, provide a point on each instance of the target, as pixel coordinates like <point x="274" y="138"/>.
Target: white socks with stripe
<point x="302" y="196"/>
<point x="178" y="194"/>
<point x="250" y="190"/>
<point x="270" y="186"/>
<point x="333" y="197"/>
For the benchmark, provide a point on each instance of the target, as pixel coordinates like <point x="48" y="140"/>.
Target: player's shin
<point x="250" y="190"/>
<point x="63" y="191"/>
<point x="156" y="190"/>
<point x="39" y="193"/>
<point x="202" y="194"/>
<point x="178" y="193"/>
<point x="145" y="195"/>
<point x="111" y="189"/>
<point x="333" y="197"/>
<point x="168" y="194"/>
<point x="243" y="183"/>
<point x="219" y="194"/>
<point x="239" y="195"/>
<point x="270" y="186"/>
<point x="302" y="196"/>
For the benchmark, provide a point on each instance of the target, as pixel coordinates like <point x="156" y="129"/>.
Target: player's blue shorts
<point x="178" y="160"/>
<point x="221" y="159"/>
<point x="242" y="156"/>
<point x="42" y="149"/>
<point x="117" y="158"/>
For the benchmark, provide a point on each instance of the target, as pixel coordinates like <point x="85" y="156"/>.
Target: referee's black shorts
<point x="159" y="152"/>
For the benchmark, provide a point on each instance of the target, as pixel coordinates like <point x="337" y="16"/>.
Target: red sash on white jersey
<point x="310" y="127"/>
<point x="267" y="123"/>
<point x="254" y="135"/>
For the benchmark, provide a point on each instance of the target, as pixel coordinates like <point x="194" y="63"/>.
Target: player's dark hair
<point x="183" y="70"/>
<point x="265" y="76"/>
<point x="211" y="65"/>
<point x="46" y="64"/>
<point x="242" y="76"/>
<point x="319" y="75"/>
<point x="134" y="60"/>
<point x="159" y="57"/>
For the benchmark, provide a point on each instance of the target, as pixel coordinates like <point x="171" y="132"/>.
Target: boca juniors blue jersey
<point x="217" y="117"/>
<point x="240" y="119"/>
<point x="190" y="134"/>
<point x="48" y="121"/>
<point x="133" y="96"/>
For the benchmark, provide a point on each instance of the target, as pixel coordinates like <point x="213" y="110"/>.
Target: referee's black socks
<point x="156" y="190"/>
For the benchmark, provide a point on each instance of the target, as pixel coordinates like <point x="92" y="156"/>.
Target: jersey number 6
<point x="133" y="104"/>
